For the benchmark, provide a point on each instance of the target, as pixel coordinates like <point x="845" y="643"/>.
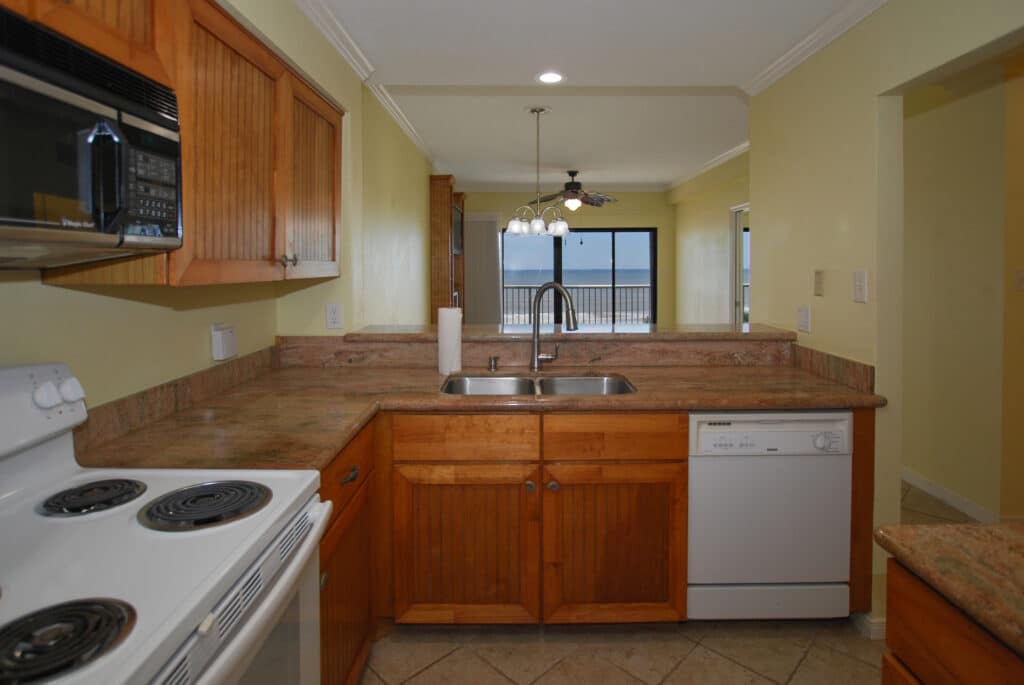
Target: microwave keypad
<point x="152" y="194"/>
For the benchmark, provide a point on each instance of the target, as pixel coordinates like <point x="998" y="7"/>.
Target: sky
<point x="580" y="251"/>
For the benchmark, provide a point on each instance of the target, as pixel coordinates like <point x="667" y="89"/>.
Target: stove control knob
<point x="46" y="396"/>
<point x="71" y="390"/>
<point x="820" y="441"/>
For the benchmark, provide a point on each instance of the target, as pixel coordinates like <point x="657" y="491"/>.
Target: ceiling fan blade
<point x="604" y="198"/>
<point x="549" y="198"/>
<point x="592" y="199"/>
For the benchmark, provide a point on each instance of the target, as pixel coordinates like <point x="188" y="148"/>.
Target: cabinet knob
<point x="352" y="475"/>
<point x="530" y="486"/>
<point x="294" y="260"/>
<point x="553" y="486"/>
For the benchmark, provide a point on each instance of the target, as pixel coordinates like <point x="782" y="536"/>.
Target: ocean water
<point x="580" y="277"/>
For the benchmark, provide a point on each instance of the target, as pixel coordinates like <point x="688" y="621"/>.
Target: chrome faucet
<point x="536" y="358"/>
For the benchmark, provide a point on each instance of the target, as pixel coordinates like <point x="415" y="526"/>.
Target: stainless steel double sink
<point x="613" y="384"/>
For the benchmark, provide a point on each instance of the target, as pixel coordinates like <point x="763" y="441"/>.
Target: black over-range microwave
<point x="90" y="154"/>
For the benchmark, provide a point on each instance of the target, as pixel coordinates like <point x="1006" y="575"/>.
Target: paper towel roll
<point x="449" y="340"/>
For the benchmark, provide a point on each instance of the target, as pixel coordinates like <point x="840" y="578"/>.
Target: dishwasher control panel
<point x="749" y="433"/>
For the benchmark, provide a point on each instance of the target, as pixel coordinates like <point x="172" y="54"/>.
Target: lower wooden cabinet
<point x="466" y="543"/>
<point x="346" y="620"/>
<point x="614" y="543"/>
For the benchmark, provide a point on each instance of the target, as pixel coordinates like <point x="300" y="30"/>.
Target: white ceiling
<point x="653" y="90"/>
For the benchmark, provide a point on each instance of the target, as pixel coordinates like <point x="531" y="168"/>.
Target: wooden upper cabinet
<point x="121" y="30"/>
<point x="308" y="182"/>
<point x="467" y="543"/>
<point x="614" y="543"/>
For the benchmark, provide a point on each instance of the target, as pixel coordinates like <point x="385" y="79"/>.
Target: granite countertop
<point x="302" y="417"/>
<point x="977" y="567"/>
<point x="597" y="332"/>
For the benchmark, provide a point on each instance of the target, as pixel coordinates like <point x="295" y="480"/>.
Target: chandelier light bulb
<point x="573" y="203"/>
<point x="537" y="226"/>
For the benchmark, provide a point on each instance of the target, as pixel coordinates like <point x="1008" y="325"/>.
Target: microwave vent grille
<point x="34" y="43"/>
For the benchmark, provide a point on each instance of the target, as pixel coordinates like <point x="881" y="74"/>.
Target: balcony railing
<point x="632" y="304"/>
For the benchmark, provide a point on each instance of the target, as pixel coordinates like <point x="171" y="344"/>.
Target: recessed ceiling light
<point x="550" y="77"/>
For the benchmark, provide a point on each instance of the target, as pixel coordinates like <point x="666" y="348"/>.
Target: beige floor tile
<point x="841" y="636"/>
<point x="522" y="660"/>
<point x="824" y="665"/>
<point x="649" y="655"/>
<point x="461" y="667"/>
<point x="704" y="667"/>
<point x="770" y="648"/>
<point x="370" y="678"/>
<point x="923" y="503"/>
<point x="402" y="654"/>
<point x="586" y="669"/>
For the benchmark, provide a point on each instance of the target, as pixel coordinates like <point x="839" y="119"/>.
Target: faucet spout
<point x="571" y="322"/>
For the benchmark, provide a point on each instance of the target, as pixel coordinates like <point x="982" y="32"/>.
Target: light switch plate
<point x="332" y="315"/>
<point x="860" y="286"/>
<point x="803" y="319"/>
<point x="819" y="283"/>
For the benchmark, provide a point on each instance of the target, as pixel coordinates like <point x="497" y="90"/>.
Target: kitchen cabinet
<point x="121" y="30"/>
<point x="932" y="641"/>
<point x="446" y="268"/>
<point x="467" y="543"/>
<point x="346" y="616"/>
<point x="260" y="154"/>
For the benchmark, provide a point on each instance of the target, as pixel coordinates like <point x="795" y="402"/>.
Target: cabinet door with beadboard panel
<point x="308" y="181"/>
<point x="121" y="30"/>
<point x="226" y="83"/>
<point x="466" y="543"/>
<point x="614" y="543"/>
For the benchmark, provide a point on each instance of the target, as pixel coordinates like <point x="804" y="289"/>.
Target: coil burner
<point x="92" y="497"/>
<point x="204" y="505"/>
<point x="61" y="638"/>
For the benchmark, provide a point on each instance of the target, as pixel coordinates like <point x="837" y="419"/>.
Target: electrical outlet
<point x="819" y="283"/>
<point x="860" y="286"/>
<point x="332" y="315"/>
<point x="803" y="319"/>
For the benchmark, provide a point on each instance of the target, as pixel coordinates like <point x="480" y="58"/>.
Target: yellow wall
<point x="633" y="210"/>
<point x="826" y="187"/>
<point x="1012" y="482"/>
<point x="704" y="252"/>
<point x="396" y="217"/>
<point x="955" y="189"/>
<point x="122" y="340"/>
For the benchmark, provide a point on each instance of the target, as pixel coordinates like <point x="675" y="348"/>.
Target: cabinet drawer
<point x="647" y="437"/>
<point x="468" y="437"/>
<point x="349" y="470"/>
<point x="939" y="642"/>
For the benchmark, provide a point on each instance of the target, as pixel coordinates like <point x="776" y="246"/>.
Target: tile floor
<point x="693" y="653"/>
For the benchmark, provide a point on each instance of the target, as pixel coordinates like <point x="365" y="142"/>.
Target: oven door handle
<point x="236" y="655"/>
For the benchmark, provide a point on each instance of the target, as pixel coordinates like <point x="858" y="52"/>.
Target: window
<point x="610" y="273"/>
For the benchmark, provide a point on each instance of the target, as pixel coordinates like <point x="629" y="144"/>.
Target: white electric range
<point x="146" y="575"/>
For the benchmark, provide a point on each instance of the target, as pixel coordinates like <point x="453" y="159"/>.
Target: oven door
<point x="279" y="642"/>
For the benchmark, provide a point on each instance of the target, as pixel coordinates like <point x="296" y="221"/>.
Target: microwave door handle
<point x="104" y="145"/>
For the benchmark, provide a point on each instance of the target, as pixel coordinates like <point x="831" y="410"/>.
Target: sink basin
<point x="488" y="385"/>
<point x="584" y="385"/>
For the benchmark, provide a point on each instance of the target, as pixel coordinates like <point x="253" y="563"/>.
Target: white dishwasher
<point x="769" y="515"/>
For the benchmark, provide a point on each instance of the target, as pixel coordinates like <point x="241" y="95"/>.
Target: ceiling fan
<point x="574" y="195"/>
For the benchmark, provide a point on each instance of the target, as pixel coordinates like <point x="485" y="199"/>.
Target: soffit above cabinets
<point x="654" y="91"/>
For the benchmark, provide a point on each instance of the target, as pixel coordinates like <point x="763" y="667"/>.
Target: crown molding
<point x="322" y="17"/>
<point x="716" y="161"/>
<point x="841" y="21"/>
<point x="530" y="188"/>
<point x="392" y="108"/>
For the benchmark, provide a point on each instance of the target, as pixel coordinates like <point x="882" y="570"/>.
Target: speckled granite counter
<point x="977" y="567"/>
<point x="302" y="417"/>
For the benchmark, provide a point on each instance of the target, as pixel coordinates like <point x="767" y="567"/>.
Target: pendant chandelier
<point x="530" y="219"/>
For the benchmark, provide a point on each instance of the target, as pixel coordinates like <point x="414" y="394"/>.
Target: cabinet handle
<point x="285" y="259"/>
<point x="530" y="486"/>
<point x="352" y="475"/>
<point x="323" y="580"/>
<point x="553" y="486"/>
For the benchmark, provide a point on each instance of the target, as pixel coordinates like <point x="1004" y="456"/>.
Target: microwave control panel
<point x="152" y="194"/>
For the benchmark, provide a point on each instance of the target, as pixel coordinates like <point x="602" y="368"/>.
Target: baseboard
<point x="871" y="627"/>
<point x="969" y="507"/>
